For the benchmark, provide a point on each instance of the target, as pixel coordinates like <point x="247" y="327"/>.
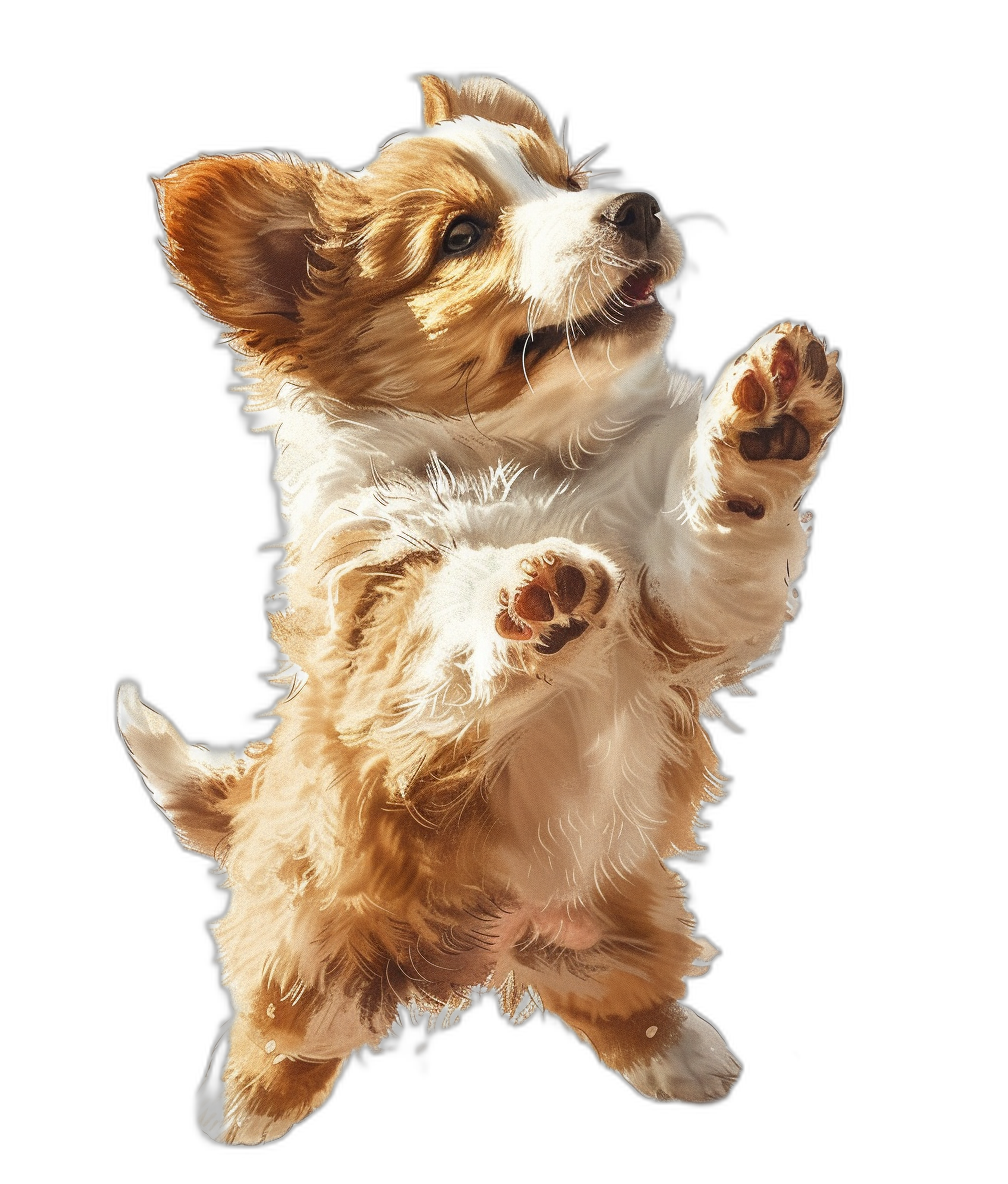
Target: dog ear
<point x="243" y="236"/>
<point x="487" y="98"/>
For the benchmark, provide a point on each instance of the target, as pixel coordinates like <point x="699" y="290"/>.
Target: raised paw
<point x="777" y="402"/>
<point x="560" y="592"/>
<point x="781" y="397"/>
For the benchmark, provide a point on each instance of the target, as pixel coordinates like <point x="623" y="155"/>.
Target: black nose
<point x="634" y="215"/>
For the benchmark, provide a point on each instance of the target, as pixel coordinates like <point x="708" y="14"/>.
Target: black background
<point x="765" y="140"/>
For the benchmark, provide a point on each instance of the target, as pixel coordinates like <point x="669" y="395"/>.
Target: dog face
<point x="464" y="269"/>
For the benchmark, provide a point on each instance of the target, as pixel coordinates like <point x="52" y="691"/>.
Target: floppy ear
<point x="487" y="98"/>
<point x="243" y="234"/>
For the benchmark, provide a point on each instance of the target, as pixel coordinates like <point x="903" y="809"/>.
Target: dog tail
<point x="197" y="790"/>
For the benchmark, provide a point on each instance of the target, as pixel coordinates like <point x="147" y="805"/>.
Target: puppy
<point x="521" y="555"/>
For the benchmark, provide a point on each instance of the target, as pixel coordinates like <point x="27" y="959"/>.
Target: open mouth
<point x="636" y="291"/>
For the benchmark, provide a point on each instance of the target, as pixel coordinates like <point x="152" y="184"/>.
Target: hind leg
<point x="622" y="994"/>
<point x="665" y="1051"/>
<point x="263" y="1092"/>
<point x="284" y="1053"/>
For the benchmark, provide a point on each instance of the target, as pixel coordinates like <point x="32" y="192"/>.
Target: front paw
<point x="777" y="402"/>
<point x="764" y="426"/>
<point x="558" y="593"/>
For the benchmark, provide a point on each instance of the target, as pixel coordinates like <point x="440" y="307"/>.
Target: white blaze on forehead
<point x="551" y="229"/>
<point x="566" y="266"/>
<point x="495" y="147"/>
<point x="555" y="240"/>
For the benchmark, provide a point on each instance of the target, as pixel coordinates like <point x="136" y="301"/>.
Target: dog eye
<point x="462" y="236"/>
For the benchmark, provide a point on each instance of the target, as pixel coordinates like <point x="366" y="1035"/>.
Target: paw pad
<point x="787" y="439"/>
<point x="786" y="393"/>
<point x="540" y="608"/>
<point x="749" y="395"/>
<point x="778" y="401"/>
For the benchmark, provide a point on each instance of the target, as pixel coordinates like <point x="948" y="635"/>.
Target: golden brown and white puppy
<point x="521" y="554"/>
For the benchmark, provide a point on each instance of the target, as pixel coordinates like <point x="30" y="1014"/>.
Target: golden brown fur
<point x="459" y="642"/>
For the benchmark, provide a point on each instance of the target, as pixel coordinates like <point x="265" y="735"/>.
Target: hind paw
<point x="561" y="591"/>
<point x="697" y="1067"/>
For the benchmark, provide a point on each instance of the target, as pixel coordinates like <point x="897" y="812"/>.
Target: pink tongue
<point x="638" y="288"/>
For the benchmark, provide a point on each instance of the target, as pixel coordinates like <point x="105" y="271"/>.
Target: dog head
<point x="465" y="269"/>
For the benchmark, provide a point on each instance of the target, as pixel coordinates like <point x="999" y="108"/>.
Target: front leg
<point x="742" y="541"/>
<point x="557" y="593"/>
<point x="761" y="431"/>
<point x="482" y="618"/>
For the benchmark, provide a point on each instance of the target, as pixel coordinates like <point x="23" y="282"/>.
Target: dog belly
<point x="578" y="804"/>
<point x="563" y="925"/>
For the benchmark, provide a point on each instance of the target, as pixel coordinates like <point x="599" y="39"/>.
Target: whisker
<point x="697" y="216"/>
<point x="524" y="371"/>
<point x="570" y="345"/>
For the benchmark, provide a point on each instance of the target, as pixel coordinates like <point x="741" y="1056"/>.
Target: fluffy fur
<point x="521" y="555"/>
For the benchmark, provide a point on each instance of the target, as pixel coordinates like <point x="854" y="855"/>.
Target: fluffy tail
<point x="197" y="790"/>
